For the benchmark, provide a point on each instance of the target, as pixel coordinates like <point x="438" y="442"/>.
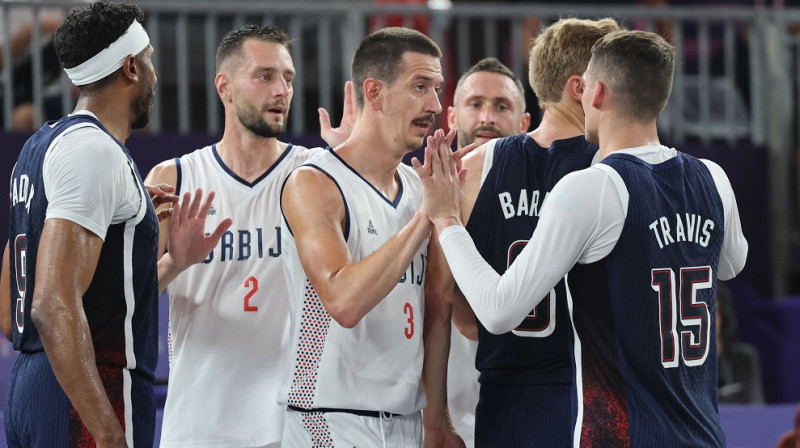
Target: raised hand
<point x="188" y="242"/>
<point x="442" y="179"/>
<point x="336" y="136"/>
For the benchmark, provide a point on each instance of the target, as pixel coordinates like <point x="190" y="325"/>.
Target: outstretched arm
<point x="579" y="222"/>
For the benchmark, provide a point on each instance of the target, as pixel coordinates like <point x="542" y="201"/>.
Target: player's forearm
<point x="167" y="271"/>
<point x="463" y="316"/>
<point x="436" y="340"/>
<point x="68" y="345"/>
<point x="5" y="296"/>
<point x="351" y="292"/>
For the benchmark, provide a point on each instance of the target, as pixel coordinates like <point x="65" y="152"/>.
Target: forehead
<point x="421" y="65"/>
<point x="257" y="53"/>
<point x="489" y="85"/>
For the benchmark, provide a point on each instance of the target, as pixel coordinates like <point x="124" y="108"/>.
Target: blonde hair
<point x="561" y="50"/>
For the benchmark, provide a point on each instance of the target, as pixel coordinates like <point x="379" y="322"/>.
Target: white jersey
<point x="228" y="318"/>
<point x="376" y="365"/>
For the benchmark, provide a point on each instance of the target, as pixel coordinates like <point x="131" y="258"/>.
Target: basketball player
<point x="83" y="239"/>
<point x="507" y="181"/>
<point x="648" y="231"/>
<point x="223" y="383"/>
<point x="355" y="259"/>
<point x="489" y="102"/>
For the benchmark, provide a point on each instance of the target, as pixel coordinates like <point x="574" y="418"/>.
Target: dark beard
<point x="142" y="107"/>
<point x="253" y="122"/>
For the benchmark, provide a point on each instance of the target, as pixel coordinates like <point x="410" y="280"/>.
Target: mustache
<point x="281" y="103"/>
<point x="425" y="119"/>
<point x="480" y="129"/>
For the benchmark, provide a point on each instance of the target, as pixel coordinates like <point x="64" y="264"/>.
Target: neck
<point x="248" y="155"/>
<point x="617" y="134"/>
<point x="114" y="113"/>
<point x="373" y="156"/>
<point x="558" y="122"/>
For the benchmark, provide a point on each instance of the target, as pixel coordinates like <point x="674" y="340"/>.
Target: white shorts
<point x="345" y="430"/>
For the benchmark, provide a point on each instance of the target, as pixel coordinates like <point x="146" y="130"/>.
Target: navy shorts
<point x="39" y="414"/>
<point x="522" y="416"/>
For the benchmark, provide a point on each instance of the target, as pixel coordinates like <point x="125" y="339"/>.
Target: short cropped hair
<point x="637" y="67"/>
<point x="231" y="44"/>
<point x="491" y="65"/>
<point x="562" y="50"/>
<point x="380" y="56"/>
<point x="90" y="29"/>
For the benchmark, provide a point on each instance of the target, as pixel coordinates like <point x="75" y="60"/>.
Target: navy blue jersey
<point x="644" y="315"/>
<point x="504" y="217"/>
<point x="121" y="301"/>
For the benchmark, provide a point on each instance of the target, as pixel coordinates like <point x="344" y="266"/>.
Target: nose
<point x="281" y="88"/>
<point x="487" y="114"/>
<point x="434" y="105"/>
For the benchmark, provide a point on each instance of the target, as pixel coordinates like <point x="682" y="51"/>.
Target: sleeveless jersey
<point x="229" y="315"/>
<point x="644" y="315"/>
<point x="121" y="302"/>
<point x="506" y="212"/>
<point x="376" y="365"/>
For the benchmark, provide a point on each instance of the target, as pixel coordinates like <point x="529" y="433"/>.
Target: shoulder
<point x="82" y="143"/>
<point x="165" y="172"/>
<point x="300" y="154"/>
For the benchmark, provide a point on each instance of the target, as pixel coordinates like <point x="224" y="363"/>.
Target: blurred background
<point x="735" y="100"/>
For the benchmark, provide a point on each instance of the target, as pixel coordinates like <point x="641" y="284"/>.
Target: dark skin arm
<point x="5" y="295"/>
<point x="58" y="314"/>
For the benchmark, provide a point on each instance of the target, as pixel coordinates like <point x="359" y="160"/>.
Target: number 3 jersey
<point x="377" y="364"/>
<point x="228" y="318"/>
<point x="518" y="174"/>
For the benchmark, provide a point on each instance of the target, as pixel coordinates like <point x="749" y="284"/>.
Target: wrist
<point x="442" y="222"/>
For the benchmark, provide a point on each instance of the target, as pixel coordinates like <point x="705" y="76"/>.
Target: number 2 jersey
<point x="377" y="364"/>
<point x="229" y="315"/>
<point x="517" y="176"/>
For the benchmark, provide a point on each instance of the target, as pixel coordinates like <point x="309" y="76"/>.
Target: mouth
<point x="423" y="124"/>
<point x="278" y="109"/>
<point x="487" y="134"/>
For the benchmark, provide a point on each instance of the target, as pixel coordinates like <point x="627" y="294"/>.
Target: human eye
<point x="502" y="107"/>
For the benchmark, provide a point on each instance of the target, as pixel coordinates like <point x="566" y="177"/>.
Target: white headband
<point x="109" y="59"/>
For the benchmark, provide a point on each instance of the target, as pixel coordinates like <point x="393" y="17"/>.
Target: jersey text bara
<point x="526" y="204"/>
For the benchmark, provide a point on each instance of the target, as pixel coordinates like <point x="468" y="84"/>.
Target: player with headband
<point x="82" y="250"/>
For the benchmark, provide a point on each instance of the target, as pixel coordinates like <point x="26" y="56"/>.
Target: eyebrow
<point x="270" y="68"/>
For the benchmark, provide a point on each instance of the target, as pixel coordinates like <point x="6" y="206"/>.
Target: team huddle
<point x="316" y="296"/>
